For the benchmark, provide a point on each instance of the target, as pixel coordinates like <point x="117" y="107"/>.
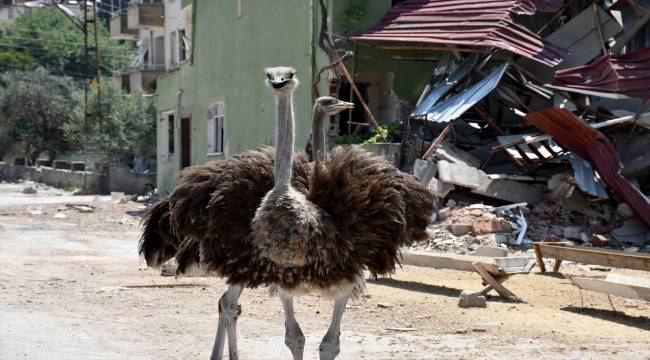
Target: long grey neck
<point x="284" y="144"/>
<point x="318" y="134"/>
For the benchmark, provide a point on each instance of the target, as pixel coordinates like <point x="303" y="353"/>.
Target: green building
<point x="211" y="95"/>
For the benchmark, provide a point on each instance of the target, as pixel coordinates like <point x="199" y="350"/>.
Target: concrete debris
<point x="492" y="251"/>
<point x="36" y="210"/>
<point x="384" y="305"/>
<point x="470" y="298"/>
<point x="444" y="213"/>
<point x="59" y="216"/>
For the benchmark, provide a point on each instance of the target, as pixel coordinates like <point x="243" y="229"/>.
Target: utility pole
<point x="87" y="49"/>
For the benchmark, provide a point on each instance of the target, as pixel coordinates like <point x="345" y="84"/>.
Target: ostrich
<point x="353" y="217"/>
<point x="350" y="215"/>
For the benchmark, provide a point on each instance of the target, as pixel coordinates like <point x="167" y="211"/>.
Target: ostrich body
<point x="298" y="229"/>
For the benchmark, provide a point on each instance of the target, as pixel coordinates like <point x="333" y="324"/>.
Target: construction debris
<point x="570" y="144"/>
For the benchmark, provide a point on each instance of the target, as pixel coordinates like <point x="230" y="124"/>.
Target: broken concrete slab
<point x="492" y="251"/>
<point x="508" y="190"/>
<point x="425" y="170"/>
<point x="633" y="231"/>
<point x="470" y="298"/>
<point x="624" y="211"/>
<point x="458" y="174"/>
<point x="572" y="233"/>
<point x="439" y="188"/>
<point x="448" y="152"/>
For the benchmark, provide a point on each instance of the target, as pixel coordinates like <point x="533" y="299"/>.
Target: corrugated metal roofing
<point x="627" y="74"/>
<point x="590" y="144"/>
<point x="485" y="24"/>
<point x="459" y="103"/>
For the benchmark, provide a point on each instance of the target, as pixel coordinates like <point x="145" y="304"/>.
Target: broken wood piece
<point x="165" y="285"/>
<point x="354" y="87"/>
<point x="439" y="139"/>
<point x="503" y="292"/>
<point x="402" y="329"/>
<point x="596" y="256"/>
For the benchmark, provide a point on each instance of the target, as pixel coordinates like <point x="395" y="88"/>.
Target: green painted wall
<point x="228" y="58"/>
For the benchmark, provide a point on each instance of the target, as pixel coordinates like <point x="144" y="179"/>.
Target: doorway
<point x="186" y="141"/>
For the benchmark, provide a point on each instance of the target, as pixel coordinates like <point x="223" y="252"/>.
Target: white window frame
<point x="164" y="137"/>
<point x="179" y="46"/>
<point x="216" y="131"/>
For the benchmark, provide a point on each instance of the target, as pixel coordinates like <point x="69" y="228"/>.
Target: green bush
<point x="393" y="132"/>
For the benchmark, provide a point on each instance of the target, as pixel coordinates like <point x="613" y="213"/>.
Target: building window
<point x="167" y="137"/>
<point x="179" y="45"/>
<point x="216" y="119"/>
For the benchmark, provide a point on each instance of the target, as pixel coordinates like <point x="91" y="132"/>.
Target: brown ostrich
<point x="347" y="213"/>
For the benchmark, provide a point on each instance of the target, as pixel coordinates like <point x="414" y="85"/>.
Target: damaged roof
<point x="465" y="22"/>
<point x="591" y="145"/>
<point x="611" y="76"/>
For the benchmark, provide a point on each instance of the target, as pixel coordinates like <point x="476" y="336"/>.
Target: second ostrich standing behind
<point x="353" y="217"/>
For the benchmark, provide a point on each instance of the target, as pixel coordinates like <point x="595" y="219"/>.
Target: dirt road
<point x="64" y="295"/>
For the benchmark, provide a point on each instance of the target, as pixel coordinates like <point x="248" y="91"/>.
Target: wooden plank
<point x="605" y="257"/>
<point x="538" y="255"/>
<point x="615" y="284"/>
<point x="503" y="292"/>
<point x="448" y="261"/>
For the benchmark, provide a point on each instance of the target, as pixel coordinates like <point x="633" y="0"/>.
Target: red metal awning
<point x="590" y="144"/>
<point x="627" y="74"/>
<point x="484" y="24"/>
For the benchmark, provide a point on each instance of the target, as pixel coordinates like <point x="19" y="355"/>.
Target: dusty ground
<point x="63" y="296"/>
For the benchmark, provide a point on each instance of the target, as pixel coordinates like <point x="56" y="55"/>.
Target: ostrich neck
<point x="318" y="135"/>
<point x="284" y="143"/>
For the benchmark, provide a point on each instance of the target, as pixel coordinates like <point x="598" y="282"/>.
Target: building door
<point x="186" y="142"/>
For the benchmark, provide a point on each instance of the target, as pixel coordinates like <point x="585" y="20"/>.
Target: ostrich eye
<point x="290" y="76"/>
<point x="269" y="76"/>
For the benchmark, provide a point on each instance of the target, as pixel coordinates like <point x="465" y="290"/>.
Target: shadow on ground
<point x="435" y="289"/>
<point x="640" y="322"/>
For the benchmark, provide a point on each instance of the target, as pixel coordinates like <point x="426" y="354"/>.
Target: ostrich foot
<point x="330" y="347"/>
<point x="293" y="338"/>
<point x="228" y="313"/>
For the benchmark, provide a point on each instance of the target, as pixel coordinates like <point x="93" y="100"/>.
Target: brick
<point x="460" y="229"/>
<point x="487" y="226"/>
<point x="444" y="213"/>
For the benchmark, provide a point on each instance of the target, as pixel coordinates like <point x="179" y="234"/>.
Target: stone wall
<point x="120" y="178"/>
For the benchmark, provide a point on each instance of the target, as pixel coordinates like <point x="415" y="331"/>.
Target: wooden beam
<point x="439" y="139"/>
<point x="503" y="292"/>
<point x="354" y="87"/>
<point x="586" y="255"/>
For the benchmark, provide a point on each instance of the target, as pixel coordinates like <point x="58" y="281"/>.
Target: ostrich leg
<point x="330" y="347"/>
<point x="228" y="313"/>
<point x="293" y="338"/>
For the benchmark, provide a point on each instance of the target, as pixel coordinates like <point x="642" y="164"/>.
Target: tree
<point x="46" y="37"/>
<point x="35" y="105"/>
<point x="128" y="123"/>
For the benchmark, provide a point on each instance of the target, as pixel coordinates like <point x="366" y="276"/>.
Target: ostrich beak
<point x="344" y="105"/>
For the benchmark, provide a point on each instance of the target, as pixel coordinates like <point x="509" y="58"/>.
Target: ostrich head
<point x="281" y="79"/>
<point x="327" y="106"/>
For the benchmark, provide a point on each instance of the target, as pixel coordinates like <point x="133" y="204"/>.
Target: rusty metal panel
<point x="627" y="74"/>
<point x="591" y="145"/>
<point x="465" y="22"/>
